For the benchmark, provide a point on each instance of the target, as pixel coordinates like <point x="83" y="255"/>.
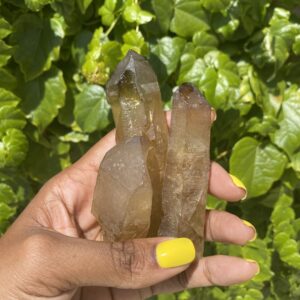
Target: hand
<point x="54" y="249"/>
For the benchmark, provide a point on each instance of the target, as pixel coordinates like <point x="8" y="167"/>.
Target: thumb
<point x="132" y="264"/>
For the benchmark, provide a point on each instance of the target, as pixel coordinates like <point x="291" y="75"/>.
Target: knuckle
<point x="208" y="273"/>
<point x="182" y="280"/>
<point x="210" y="225"/>
<point x="129" y="262"/>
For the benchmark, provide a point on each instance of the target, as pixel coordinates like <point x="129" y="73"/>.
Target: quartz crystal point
<point x="187" y="168"/>
<point x="123" y="193"/>
<point x="134" y="95"/>
<point x="127" y="197"/>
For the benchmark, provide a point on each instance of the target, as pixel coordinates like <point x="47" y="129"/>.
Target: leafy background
<point x="56" y="56"/>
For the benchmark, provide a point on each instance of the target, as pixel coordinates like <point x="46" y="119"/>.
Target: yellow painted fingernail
<point x="239" y="184"/>
<point x="175" y="253"/>
<point x="254" y="261"/>
<point x="247" y="223"/>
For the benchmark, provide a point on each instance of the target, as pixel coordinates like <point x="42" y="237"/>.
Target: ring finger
<point x="224" y="227"/>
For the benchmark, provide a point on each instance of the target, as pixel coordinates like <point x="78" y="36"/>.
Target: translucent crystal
<point x="187" y="168"/>
<point x="123" y="194"/>
<point x="134" y="95"/>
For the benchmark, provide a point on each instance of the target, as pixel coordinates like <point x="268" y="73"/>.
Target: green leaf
<point x="272" y="46"/>
<point x="65" y="114"/>
<point x="83" y="5"/>
<point x="5" y="53"/>
<point x="13" y="148"/>
<point x="7" y="194"/>
<point x="8" y="199"/>
<point x="37" y="43"/>
<point x="112" y="54"/>
<point x="287" y="136"/>
<point x="259" y="251"/>
<point x="216" y="75"/>
<point x="251" y="91"/>
<point x="74" y="137"/>
<point x="134" y="14"/>
<point x="282" y="219"/>
<point x="204" y="42"/>
<point x="134" y="40"/>
<point x="254" y="294"/>
<point x="252" y="13"/>
<point x="215" y="5"/>
<point x="282" y="213"/>
<point x="215" y="203"/>
<point x="80" y="47"/>
<point x="164" y="11"/>
<point x="293" y="259"/>
<point x="257" y="165"/>
<point x="166" y="297"/>
<point x="101" y="58"/>
<point x="264" y="127"/>
<point x="6" y="212"/>
<point x="169" y="52"/>
<point x="37" y="5"/>
<point x="191" y="69"/>
<point x="7" y="80"/>
<point x="220" y="81"/>
<point x="296" y="45"/>
<point x="280" y="238"/>
<point x="10" y="115"/>
<point x="5" y="28"/>
<point x="226" y="27"/>
<point x="43" y="97"/>
<point x="94" y="68"/>
<point x="106" y="11"/>
<point x="91" y="109"/>
<point x="69" y="11"/>
<point x="8" y="98"/>
<point x="189" y="18"/>
<point x="295" y="163"/>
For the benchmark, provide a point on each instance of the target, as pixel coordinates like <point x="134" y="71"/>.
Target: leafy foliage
<point x="56" y="56"/>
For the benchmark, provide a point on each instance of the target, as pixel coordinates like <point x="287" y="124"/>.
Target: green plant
<point x="56" y="56"/>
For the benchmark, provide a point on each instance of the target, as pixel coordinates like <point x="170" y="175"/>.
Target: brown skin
<point x="54" y="250"/>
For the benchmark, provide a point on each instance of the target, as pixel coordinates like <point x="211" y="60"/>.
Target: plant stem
<point x="111" y="27"/>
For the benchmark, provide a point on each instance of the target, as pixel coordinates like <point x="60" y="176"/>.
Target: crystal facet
<point x="134" y="95"/>
<point x="123" y="193"/>
<point x="187" y="168"/>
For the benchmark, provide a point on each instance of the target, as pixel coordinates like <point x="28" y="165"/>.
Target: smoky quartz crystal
<point x="134" y="95"/>
<point x="187" y="168"/>
<point x="151" y="183"/>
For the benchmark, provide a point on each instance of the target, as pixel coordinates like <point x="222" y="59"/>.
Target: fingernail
<point x="247" y="223"/>
<point x="214" y="114"/>
<point x="175" y="253"/>
<point x="253" y="261"/>
<point x="239" y="184"/>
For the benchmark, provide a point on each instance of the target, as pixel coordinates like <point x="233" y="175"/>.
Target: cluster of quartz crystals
<point x="151" y="184"/>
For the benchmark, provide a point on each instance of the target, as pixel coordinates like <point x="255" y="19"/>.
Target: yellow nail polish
<point x="253" y="261"/>
<point x="247" y="223"/>
<point x="239" y="184"/>
<point x="175" y="253"/>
